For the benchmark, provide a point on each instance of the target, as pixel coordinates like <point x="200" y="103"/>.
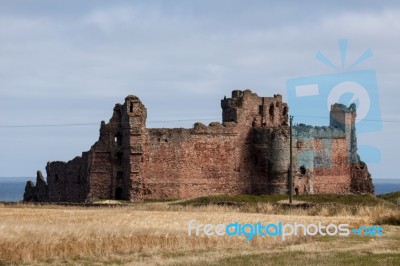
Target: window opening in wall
<point x="118" y="139"/>
<point x="271" y="110"/>
<point x="303" y="170"/>
<point x="285" y="111"/>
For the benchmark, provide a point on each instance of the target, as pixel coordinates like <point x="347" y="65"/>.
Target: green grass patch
<point x="392" y="197"/>
<point x="310" y="258"/>
<point x="348" y="240"/>
<point x="350" y="199"/>
<point x="232" y="199"/>
<point x="158" y="200"/>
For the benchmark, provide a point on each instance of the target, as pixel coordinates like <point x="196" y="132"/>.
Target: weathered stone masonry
<point x="247" y="153"/>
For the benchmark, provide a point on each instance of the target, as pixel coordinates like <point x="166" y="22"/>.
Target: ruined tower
<point x="134" y="133"/>
<point x="248" y="109"/>
<point x="124" y="135"/>
<point x="344" y="118"/>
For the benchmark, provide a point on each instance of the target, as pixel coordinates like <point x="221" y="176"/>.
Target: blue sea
<point x="12" y="188"/>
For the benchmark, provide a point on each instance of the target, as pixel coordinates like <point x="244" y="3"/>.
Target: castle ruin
<point x="248" y="153"/>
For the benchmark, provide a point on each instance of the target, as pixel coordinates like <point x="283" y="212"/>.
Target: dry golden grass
<point x="36" y="234"/>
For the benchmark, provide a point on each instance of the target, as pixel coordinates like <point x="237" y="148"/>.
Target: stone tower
<point x="127" y="177"/>
<point x="135" y="132"/>
<point x="344" y="118"/>
<point x="250" y="110"/>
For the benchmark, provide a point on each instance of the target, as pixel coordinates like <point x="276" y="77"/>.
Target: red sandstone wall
<point x="182" y="163"/>
<point x="334" y="179"/>
<point x="100" y="178"/>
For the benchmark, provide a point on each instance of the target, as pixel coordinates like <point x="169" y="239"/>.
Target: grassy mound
<point x="392" y="197"/>
<point x="350" y="199"/>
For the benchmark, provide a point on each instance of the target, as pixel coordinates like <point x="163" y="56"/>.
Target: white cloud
<point x="112" y="19"/>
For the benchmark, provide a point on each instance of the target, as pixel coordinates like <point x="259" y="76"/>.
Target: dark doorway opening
<point x="118" y="193"/>
<point x="296" y="190"/>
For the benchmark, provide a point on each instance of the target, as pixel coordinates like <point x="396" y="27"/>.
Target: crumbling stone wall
<point x="67" y="181"/>
<point x="360" y="179"/>
<point x="247" y="153"/>
<point x="38" y="193"/>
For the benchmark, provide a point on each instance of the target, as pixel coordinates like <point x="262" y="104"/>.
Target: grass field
<point x="155" y="233"/>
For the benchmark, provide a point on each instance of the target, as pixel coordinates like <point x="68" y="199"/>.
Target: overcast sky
<point x="66" y="62"/>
